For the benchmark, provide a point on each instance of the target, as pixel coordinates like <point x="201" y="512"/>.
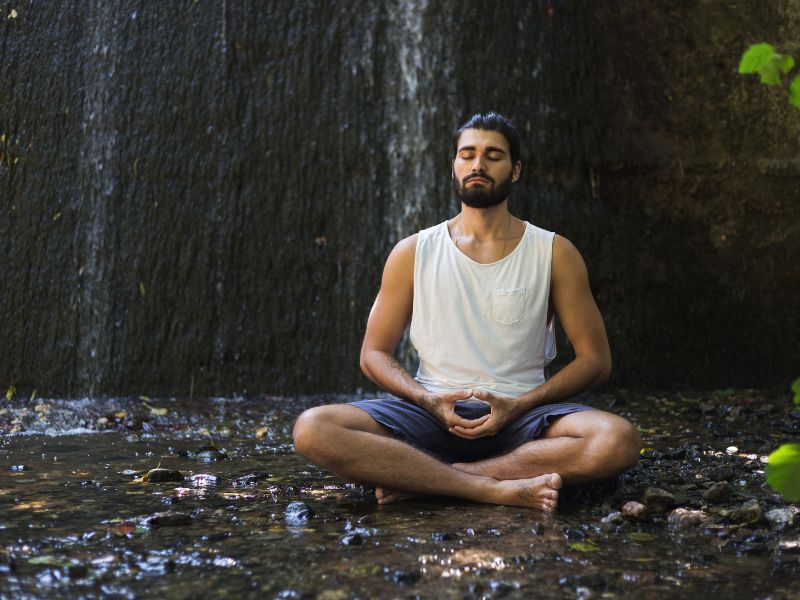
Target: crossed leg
<point x="581" y="447"/>
<point x="347" y="441"/>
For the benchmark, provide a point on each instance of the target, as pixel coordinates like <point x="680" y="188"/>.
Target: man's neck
<point x="484" y="223"/>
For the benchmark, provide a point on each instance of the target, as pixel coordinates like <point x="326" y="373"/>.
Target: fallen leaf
<point x="584" y="546"/>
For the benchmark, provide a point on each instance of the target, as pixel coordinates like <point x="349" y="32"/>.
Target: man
<point x="479" y="421"/>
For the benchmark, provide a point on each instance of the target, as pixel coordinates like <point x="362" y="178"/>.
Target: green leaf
<point x="755" y="57"/>
<point x="641" y="536"/>
<point x="771" y="72"/>
<point x="785" y="63"/>
<point x="49" y="560"/>
<point x="796" y="84"/>
<point x="584" y="547"/>
<point x="783" y="471"/>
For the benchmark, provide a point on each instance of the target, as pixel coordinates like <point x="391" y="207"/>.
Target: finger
<point x="463" y="435"/>
<point x="453" y="420"/>
<point x="479" y="431"/>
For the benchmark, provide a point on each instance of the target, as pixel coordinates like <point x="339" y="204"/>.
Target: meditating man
<point x="479" y="421"/>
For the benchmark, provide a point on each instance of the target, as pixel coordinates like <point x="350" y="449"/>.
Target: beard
<point x="479" y="196"/>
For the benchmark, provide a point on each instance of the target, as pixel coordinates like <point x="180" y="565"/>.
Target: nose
<point x="477" y="164"/>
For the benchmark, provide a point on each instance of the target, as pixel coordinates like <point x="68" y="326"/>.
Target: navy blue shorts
<point x="416" y="426"/>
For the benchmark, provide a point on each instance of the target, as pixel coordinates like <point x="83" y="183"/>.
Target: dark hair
<point x="491" y="121"/>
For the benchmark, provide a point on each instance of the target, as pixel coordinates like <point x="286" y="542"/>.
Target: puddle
<point x="249" y="517"/>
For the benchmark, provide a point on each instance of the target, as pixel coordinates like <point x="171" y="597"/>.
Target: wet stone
<point x="778" y="518"/>
<point x="19" y="468"/>
<point x="685" y="518"/>
<point x="613" y="518"/>
<point x="298" y="513"/>
<point x="162" y="475"/>
<point x="658" y="501"/>
<point x="443" y="536"/>
<point x="204" y="480"/>
<point x="789" y="546"/>
<point x="251" y="478"/>
<point x="718" y="493"/>
<point x="401" y="577"/>
<point x="169" y="519"/>
<point x="634" y="510"/>
<point x="747" y="513"/>
<point x="208" y="454"/>
<point x="351" y="538"/>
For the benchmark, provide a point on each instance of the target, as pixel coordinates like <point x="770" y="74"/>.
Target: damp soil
<point x="234" y="511"/>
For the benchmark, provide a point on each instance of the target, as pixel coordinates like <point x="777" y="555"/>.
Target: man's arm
<point x="387" y="321"/>
<point x="576" y="309"/>
<point x="582" y="322"/>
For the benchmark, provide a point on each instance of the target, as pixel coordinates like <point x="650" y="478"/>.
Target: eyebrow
<point x="488" y="149"/>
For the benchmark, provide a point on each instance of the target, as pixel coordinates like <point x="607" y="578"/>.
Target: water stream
<point x="249" y="518"/>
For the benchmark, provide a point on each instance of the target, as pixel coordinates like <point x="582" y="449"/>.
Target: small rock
<point x="210" y="454"/>
<point x="442" y="537"/>
<point x="251" y="478"/>
<point x="718" y="493"/>
<point x="658" y="501"/>
<point x="204" y="480"/>
<point x="298" y="513"/>
<point x="747" y="513"/>
<point x="159" y="475"/>
<point x="401" y="577"/>
<point x="778" y="518"/>
<point x="169" y="519"/>
<point x="634" y="510"/>
<point x="790" y="546"/>
<point x="19" y="468"/>
<point x="352" y="538"/>
<point x="685" y="518"/>
<point x="615" y="517"/>
<point x="77" y="571"/>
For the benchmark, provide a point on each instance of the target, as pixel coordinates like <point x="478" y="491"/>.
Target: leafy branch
<point x="773" y="68"/>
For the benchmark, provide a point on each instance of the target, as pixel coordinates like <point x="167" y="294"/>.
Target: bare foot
<point x="540" y="492"/>
<point x="387" y="496"/>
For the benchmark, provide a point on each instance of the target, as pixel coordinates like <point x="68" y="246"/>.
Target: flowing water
<point x="249" y="518"/>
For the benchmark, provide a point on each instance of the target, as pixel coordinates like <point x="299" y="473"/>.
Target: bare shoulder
<point x="566" y="257"/>
<point x="400" y="264"/>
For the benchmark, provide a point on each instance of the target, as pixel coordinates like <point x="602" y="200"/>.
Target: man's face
<point x="482" y="169"/>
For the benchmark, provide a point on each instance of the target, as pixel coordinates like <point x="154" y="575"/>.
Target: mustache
<point x="476" y="176"/>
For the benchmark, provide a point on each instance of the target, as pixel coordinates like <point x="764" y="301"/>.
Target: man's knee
<point x="309" y="431"/>
<point x="618" y="441"/>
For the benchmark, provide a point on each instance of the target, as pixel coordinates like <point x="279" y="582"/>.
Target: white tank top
<point x="482" y="326"/>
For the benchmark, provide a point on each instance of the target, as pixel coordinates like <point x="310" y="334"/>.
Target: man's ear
<point x="516" y="171"/>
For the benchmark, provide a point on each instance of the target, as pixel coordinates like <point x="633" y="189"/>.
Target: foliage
<point x="773" y="68"/>
<point x="783" y="471"/>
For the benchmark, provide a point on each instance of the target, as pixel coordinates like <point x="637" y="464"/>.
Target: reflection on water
<point x="251" y="518"/>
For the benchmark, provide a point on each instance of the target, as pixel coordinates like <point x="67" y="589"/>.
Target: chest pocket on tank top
<point x="508" y="306"/>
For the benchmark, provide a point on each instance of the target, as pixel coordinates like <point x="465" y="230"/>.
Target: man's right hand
<point x="442" y="405"/>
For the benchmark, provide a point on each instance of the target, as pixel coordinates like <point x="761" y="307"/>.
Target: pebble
<point x="298" y="513"/>
<point x="658" y="501"/>
<point x="635" y="510"/>
<point x="686" y="518"/>
<point x="718" y="493"/>
<point x="615" y="517"/>
<point x="747" y="513"/>
<point x="779" y="518"/>
<point x="161" y="475"/>
<point x="169" y="519"/>
<point x="251" y="478"/>
<point x="352" y="538"/>
<point x="790" y="546"/>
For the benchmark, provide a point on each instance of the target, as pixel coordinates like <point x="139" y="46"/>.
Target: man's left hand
<point x="504" y="411"/>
